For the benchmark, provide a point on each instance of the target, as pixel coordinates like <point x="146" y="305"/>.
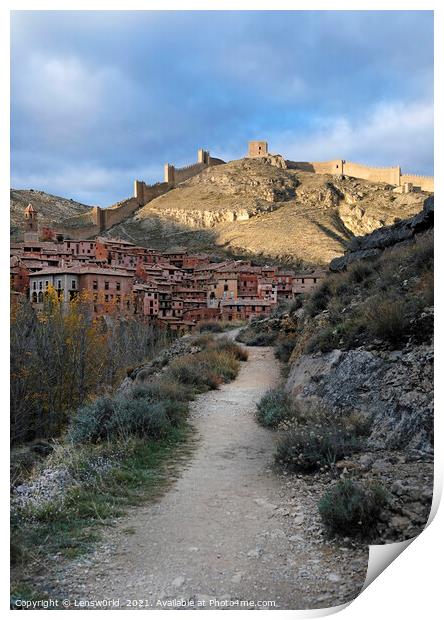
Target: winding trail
<point x="219" y="532"/>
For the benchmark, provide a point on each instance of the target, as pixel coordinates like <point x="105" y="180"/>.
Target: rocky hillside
<point x="360" y="352"/>
<point x="262" y="207"/>
<point x="52" y="209"/>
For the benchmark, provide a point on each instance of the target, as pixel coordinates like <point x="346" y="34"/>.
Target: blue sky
<point x="101" y="98"/>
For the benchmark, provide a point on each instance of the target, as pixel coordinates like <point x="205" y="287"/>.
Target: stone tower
<point x="257" y="148"/>
<point x="31" y="224"/>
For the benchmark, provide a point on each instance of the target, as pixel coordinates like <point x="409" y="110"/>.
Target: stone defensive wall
<point x="174" y="176"/>
<point x="97" y="219"/>
<point x="391" y="175"/>
<point x="427" y="184"/>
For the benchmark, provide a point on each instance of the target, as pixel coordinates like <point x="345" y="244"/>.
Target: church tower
<point x="31" y="224"/>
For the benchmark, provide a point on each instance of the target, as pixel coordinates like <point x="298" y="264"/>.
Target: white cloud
<point x="89" y="183"/>
<point x="391" y="134"/>
<point x="64" y="96"/>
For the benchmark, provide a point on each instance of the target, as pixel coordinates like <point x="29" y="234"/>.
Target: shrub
<point x="228" y="346"/>
<point x="189" y="370"/>
<point x="312" y="447"/>
<point x="358" y="423"/>
<point x="253" y="338"/>
<point x="205" y="370"/>
<point x="284" y="347"/>
<point x="164" y="388"/>
<point x="359" y="271"/>
<point x="326" y="339"/>
<point x="351" y="508"/>
<point x="319" y="299"/>
<point x="297" y="303"/>
<point x="223" y="363"/>
<point x="210" y="326"/>
<point x="274" y="408"/>
<point x="120" y="417"/>
<point x="386" y="319"/>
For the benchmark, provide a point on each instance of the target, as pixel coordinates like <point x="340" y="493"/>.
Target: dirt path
<point x="229" y="528"/>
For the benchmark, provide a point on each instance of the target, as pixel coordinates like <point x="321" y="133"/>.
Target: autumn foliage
<point x="64" y="355"/>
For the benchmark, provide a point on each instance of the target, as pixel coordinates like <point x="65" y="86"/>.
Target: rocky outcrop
<point x="372" y="245"/>
<point x="393" y="388"/>
<point x="202" y="218"/>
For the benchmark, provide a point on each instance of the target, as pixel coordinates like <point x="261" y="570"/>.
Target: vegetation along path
<point x="229" y="529"/>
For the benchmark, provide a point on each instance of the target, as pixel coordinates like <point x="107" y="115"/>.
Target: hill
<point x="52" y="209"/>
<point x="262" y="207"/>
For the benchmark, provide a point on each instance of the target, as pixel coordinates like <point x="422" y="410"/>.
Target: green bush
<point x="309" y="448"/>
<point x="351" y="508"/>
<point x="164" y="388"/>
<point x="274" y="408"/>
<point x="120" y="417"/>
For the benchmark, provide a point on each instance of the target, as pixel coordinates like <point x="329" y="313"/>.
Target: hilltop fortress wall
<point x="427" y="184"/>
<point x="97" y="220"/>
<point x="391" y="175"/>
<point x="174" y="175"/>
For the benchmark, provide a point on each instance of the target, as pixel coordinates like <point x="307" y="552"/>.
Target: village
<point x="173" y="288"/>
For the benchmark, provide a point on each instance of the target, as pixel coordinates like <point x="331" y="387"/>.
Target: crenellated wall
<point x="173" y="176"/>
<point x="143" y="192"/>
<point x="427" y="184"/>
<point x="377" y="175"/>
<point x="391" y="175"/>
<point x="319" y="167"/>
<point x="182" y="174"/>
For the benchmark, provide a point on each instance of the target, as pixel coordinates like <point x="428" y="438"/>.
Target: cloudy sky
<point x="101" y="98"/>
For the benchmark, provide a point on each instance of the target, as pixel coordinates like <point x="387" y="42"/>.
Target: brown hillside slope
<point x="260" y="207"/>
<point x="52" y="209"/>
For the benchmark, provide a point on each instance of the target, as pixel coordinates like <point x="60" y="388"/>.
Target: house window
<point x="34" y="286"/>
<point x="106" y="286"/>
<point x="40" y="285"/>
<point x="34" y="298"/>
<point x="106" y="298"/>
<point x="40" y="297"/>
<point x="117" y="286"/>
<point x="59" y="284"/>
<point x="46" y="283"/>
<point x="95" y="285"/>
<point x="73" y="284"/>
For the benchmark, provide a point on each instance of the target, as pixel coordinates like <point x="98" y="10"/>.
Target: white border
<point x="411" y="586"/>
